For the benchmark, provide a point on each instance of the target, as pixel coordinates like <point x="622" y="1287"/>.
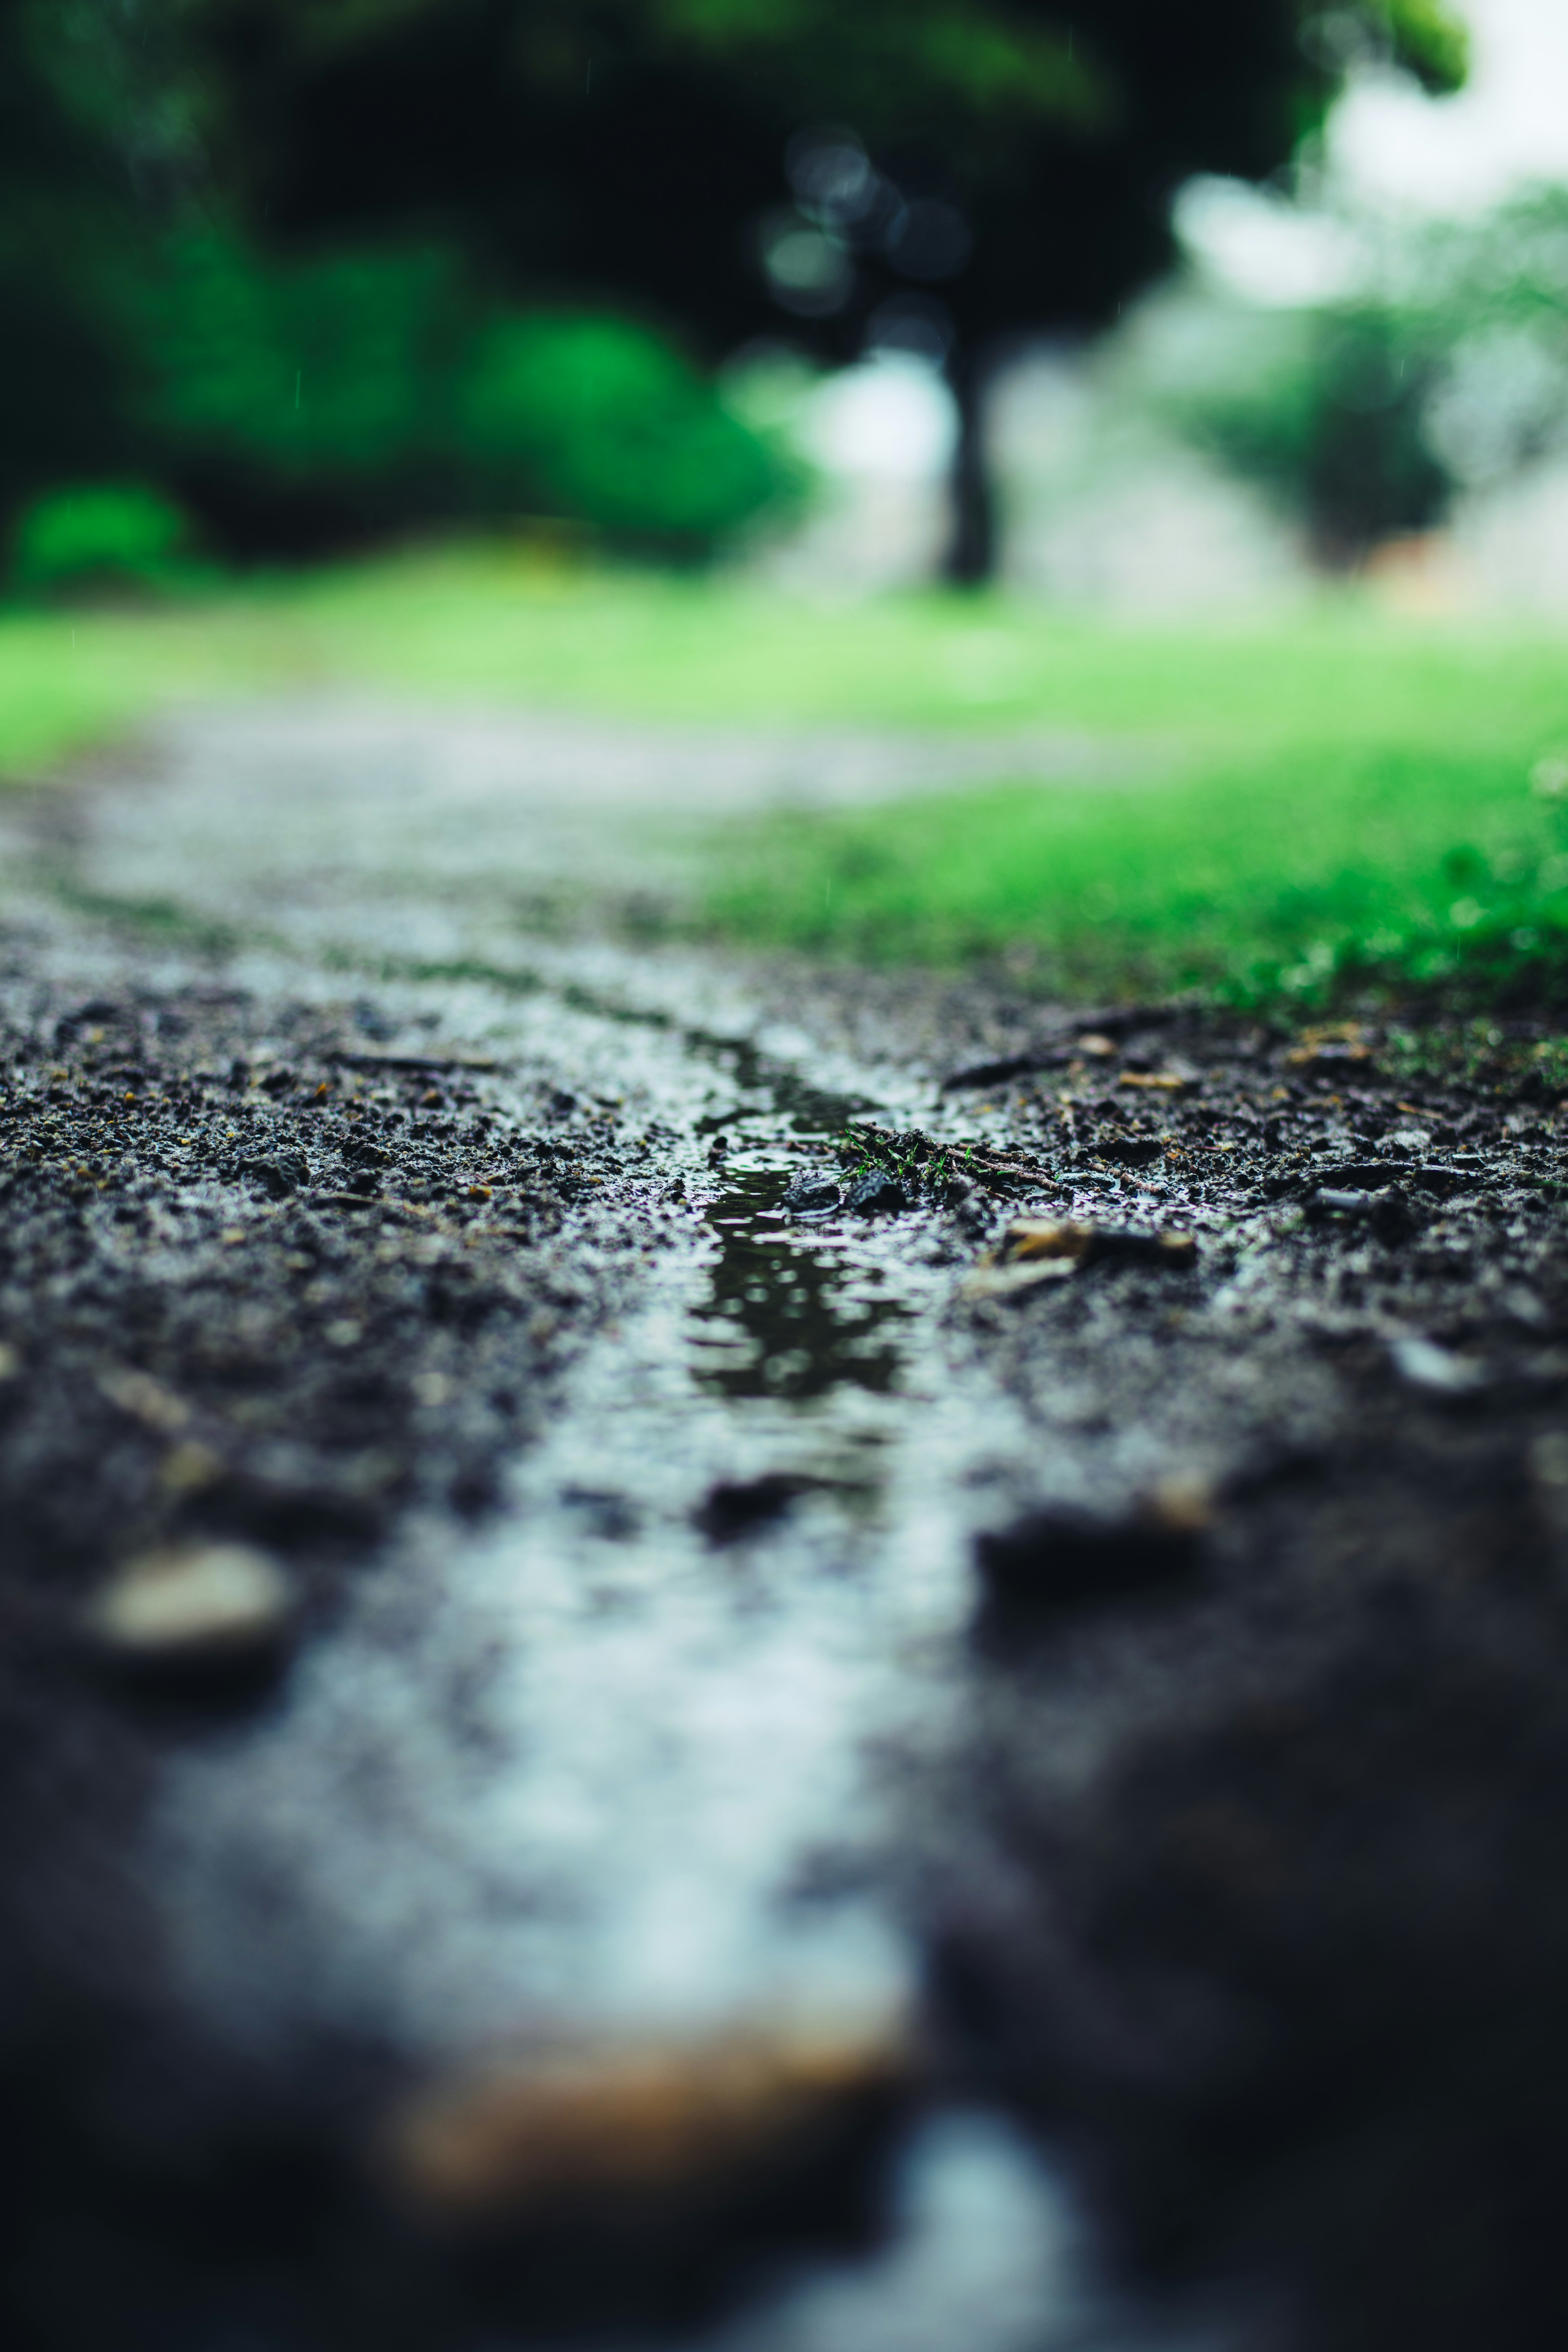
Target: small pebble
<point x="877" y="1195"/>
<point x="1065" y="1559"/>
<point x="1422" y="1364"/>
<point x="193" y="1603"/>
<point x="189" y="1467"/>
<point x="812" y="1193"/>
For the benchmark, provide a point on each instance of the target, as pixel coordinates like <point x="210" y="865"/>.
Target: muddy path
<point x="699" y="1653"/>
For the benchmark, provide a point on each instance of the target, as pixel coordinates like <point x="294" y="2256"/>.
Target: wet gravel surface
<point x="758" y="1659"/>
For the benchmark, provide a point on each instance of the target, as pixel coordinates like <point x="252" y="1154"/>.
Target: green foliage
<point x="383" y="382"/>
<point x="1447" y="368"/>
<point x="333" y="368"/>
<point x="96" y="535"/>
<point x="615" y="427"/>
<point x="891" y="66"/>
<point x="1429" y="42"/>
<point x="240" y="240"/>
<point x="1294" y="813"/>
<point x="1301" y="815"/>
<point x="1324" y="408"/>
<point x="1321" y="807"/>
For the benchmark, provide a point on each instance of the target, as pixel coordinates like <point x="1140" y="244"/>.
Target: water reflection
<point x="787" y="1317"/>
<point x="986" y="2252"/>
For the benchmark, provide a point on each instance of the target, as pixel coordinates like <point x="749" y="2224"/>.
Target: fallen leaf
<point x="1044" y="1237"/>
<point x="532" y="2130"/>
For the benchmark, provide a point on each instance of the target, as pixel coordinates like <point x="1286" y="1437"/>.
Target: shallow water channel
<point x="654" y="1752"/>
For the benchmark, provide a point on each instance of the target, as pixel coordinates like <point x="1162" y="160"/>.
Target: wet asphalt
<point x="752" y="1657"/>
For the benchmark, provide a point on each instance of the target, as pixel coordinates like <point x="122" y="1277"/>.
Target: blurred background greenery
<point x="473" y="346"/>
<point x="322" y="271"/>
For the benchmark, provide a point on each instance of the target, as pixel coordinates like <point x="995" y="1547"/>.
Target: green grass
<point x="1309" y="869"/>
<point x="1303" y="806"/>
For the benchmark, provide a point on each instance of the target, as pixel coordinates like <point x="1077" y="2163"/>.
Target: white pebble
<point x="193" y="1600"/>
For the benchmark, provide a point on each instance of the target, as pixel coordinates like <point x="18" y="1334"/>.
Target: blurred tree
<point x="1443" y="367"/>
<point x="295" y="397"/>
<point x="937" y="174"/>
<point x="300" y="400"/>
<point x="930" y="174"/>
<point x="58" y="410"/>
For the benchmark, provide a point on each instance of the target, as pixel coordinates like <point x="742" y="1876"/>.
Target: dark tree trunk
<point x="971" y="550"/>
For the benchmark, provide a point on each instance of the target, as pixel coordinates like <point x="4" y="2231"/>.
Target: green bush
<point x="96" y="535"/>
<point x="385" y="387"/>
<point x="335" y="368"/>
<point x="612" y="425"/>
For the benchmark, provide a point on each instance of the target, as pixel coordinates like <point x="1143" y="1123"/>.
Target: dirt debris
<point x="1241" y="1882"/>
<point x="705" y="2122"/>
<point x="247" y="1299"/>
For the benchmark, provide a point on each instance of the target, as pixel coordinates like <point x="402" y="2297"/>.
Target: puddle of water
<point x="577" y="1771"/>
<point x="789" y="1315"/>
<point x="985" y="2253"/>
<point x="613" y="1766"/>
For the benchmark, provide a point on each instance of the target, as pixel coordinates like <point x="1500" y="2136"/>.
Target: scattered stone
<point x="188" y="1467"/>
<point x="1130" y="1150"/>
<point x="1328" y="1202"/>
<point x="145" y="1399"/>
<point x="735" y="1508"/>
<point x="1139" y="1245"/>
<point x="1007" y="1067"/>
<point x="877" y="1195"/>
<point x="1375" y="1175"/>
<point x="1062" y="1558"/>
<point x="1362" y="1176"/>
<point x="998" y="1073"/>
<point x="1422" y="1364"/>
<point x="284" y="1173"/>
<point x="565" y="2128"/>
<point x="1549" y="1468"/>
<point x="194" y="1604"/>
<point x="813" y="1193"/>
<point x="1388" y="1210"/>
<point x="1182" y="1504"/>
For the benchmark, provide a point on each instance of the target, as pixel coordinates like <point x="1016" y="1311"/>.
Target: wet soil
<point x="1111" y="1690"/>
